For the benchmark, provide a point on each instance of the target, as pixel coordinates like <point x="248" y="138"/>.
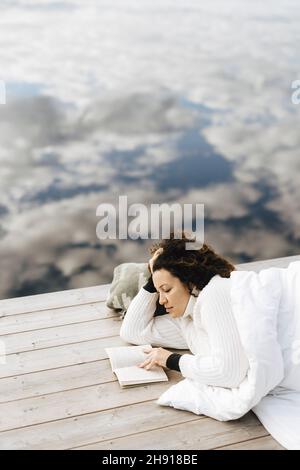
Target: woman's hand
<point x="156" y="357"/>
<point x="155" y="255"/>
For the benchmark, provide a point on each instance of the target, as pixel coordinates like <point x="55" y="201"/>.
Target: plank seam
<point x="79" y="415"/>
<point x="42" y="310"/>
<point x="66" y="390"/>
<point x="243" y="441"/>
<point x="54" y="326"/>
<point x="150" y="430"/>
<point x="53" y="368"/>
<point x="60" y="345"/>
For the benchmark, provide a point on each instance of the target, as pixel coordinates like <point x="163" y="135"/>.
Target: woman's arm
<point x="227" y="365"/>
<point x="140" y="327"/>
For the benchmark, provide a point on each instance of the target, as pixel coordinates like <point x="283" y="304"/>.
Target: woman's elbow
<point x="128" y="336"/>
<point x="231" y="375"/>
<point x="237" y="376"/>
<point x="125" y="333"/>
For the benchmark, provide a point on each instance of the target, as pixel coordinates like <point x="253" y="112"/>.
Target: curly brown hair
<point x="194" y="268"/>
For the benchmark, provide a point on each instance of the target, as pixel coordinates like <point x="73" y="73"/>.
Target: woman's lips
<point x="169" y="308"/>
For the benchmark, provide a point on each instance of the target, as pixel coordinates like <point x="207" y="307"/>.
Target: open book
<point x="124" y="362"/>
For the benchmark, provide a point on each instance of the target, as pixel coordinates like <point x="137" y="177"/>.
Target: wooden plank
<point x="66" y="298"/>
<point x="269" y="263"/>
<point x="260" y="443"/>
<point x="55" y="380"/>
<point x="45" y="382"/>
<point x="77" y="402"/>
<point x="47" y="396"/>
<point x="58" y="336"/>
<point x="55" y="317"/>
<point x="86" y="429"/>
<point x="201" y="434"/>
<point x="61" y="356"/>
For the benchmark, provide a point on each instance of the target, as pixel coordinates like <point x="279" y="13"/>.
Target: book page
<point x="126" y="356"/>
<point x="138" y="375"/>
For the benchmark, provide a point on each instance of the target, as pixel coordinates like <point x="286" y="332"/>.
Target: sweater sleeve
<point x="227" y="364"/>
<point x="150" y="287"/>
<point x="173" y="362"/>
<point x="140" y="327"/>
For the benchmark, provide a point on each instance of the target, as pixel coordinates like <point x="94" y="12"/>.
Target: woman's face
<point x="173" y="294"/>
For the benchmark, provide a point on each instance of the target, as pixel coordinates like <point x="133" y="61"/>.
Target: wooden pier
<point x="57" y="390"/>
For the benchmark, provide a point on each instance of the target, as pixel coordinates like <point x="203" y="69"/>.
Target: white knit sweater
<point x="207" y="328"/>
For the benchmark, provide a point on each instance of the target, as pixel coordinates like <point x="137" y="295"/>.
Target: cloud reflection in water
<point x="192" y="105"/>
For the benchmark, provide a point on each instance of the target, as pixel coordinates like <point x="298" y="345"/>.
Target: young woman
<point x="194" y="287"/>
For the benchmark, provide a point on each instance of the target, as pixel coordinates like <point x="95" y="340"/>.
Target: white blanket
<point x="266" y="307"/>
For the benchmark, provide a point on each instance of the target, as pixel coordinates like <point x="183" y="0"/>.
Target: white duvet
<point x="266" y="307"/>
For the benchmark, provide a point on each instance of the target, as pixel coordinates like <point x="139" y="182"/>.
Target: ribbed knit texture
<point x="207" y="328"/>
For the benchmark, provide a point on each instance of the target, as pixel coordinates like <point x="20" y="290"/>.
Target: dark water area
<point x="163" y="103"/>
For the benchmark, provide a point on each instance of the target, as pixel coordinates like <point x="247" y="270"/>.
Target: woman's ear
<point x="195" y="291"/>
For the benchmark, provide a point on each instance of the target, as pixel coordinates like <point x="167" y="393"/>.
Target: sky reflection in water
<point x="161" y="102"/>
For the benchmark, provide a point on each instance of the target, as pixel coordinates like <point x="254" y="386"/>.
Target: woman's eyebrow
<point x="162" y="285"/>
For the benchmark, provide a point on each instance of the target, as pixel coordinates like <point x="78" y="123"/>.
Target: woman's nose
<point x="162" y="299"/>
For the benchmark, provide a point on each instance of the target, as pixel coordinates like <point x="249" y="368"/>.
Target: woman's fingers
<point x="152" y="360"/>
<point x="149" y="359"/>
<point x="148" y="363"/>
<point x="150" y="366"/>
<point x="154" y="256"/>
<point x="146" y="351"/>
